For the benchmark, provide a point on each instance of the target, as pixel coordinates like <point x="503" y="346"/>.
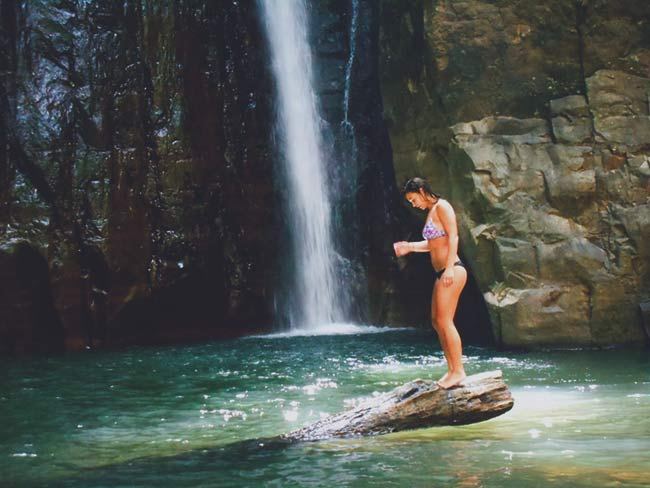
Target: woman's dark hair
<point x="414" y="185"/>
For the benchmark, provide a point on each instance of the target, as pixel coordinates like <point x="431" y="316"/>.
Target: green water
<point x="177" y="417"/>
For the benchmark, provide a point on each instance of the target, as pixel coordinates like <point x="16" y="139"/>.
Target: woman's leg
<point x="446" y="301"/>
<point x="434" y="324"/>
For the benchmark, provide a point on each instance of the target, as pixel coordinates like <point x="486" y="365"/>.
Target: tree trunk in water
<point x="416" y="404"/>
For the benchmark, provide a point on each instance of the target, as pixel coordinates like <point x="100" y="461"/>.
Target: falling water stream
<point x="350" y="63"/>
<point x="316" y="300"/>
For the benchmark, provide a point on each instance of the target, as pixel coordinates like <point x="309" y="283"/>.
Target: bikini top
<point x="430" y="231"/>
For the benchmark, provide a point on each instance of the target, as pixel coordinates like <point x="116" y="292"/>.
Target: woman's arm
<point x="419" y="246"/>
<point x="402" y="248"/>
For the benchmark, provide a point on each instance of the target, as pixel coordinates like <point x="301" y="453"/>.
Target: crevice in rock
<point x="581" y="19"/>
<point x="590" y="309"/>
<point x="547" y="189"/>
<point x="549" y="126"/>
<point x="472" y="317"/>
<point x="538" y="264"/>
<point x="416" y="15"/>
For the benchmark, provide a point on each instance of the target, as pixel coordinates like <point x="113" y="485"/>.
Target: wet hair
<point x="414" y="185"/>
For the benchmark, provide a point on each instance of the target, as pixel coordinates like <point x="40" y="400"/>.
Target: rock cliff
<point x="533" y="119"/>
<point x="140" y="201"/>
<point x="138" y="189"/>
<point x="135" y="162"/>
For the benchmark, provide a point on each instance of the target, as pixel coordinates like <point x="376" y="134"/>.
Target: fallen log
<point x="416" y="404"/>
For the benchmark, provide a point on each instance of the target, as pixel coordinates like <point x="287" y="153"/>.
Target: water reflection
<point x="173" y="416"/>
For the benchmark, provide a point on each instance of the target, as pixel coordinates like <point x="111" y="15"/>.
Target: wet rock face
<point x="345" y="42"/>
<point x="560" y="259"/>
<point x="135" y="157"/>
<point x="27" y="299"/>
<point x="533" y="119"/>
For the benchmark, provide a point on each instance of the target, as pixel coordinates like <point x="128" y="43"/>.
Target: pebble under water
<point x="184" y="416"/>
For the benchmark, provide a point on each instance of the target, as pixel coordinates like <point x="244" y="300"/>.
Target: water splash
<point x="331" y="329"/>
<point x="315" y="288"/>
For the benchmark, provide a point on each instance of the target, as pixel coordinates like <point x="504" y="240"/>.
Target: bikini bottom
<point x="438" y="274"/>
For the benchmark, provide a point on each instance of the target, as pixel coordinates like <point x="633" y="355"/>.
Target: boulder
<point x="517" y="259"/>
<point x="619" y="103"/>
<point x="575" y="259"/>
<point x="616" y="93"/>
<point x="639" y="164"/>
<point x="571" y="119"/>
<point x="636" y="221"/>
<point x="614" y="318"/>
<point x="631" y="130"/>
<point x="550" y="315"/>
<point x="568" y="189"/>
<point x="507" y="129"/>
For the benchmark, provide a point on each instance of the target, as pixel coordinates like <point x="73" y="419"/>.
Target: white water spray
<point x="315" y="287"/>
<point x="348" y="67"/>
<point x="346" y="123"/>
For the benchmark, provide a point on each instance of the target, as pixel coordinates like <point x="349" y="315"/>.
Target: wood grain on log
<point x="416" y="404"/>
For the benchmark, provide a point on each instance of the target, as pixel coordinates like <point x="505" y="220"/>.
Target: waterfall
<point x="314" y="286"/>
<point x="350" y="62"/>
<point x="346" y="123"/>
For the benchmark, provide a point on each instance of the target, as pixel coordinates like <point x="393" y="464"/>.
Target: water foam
<point x="336" y="328"/>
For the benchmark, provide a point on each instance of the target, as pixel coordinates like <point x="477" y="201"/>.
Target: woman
<point x="441" y="242"/>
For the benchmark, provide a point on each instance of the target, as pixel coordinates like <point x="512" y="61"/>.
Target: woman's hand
<point x="448" y="276"/>
<point x="401" y="248"/>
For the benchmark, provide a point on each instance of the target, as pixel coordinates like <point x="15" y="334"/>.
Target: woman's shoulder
<point x="444" y="210"/>
<point x="443" y="204"/>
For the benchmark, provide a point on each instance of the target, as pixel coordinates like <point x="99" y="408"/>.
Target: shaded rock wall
<point x="27" y="299"/>
<point x="346" y="48"/>
<point x="135" y="158"/>
<point x="533" y="119"/>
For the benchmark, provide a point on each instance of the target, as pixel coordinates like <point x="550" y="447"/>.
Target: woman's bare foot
<point x="444" y="377"/>
<point x="451" y="379"/>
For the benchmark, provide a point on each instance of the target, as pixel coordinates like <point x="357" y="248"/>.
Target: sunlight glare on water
<point x="182" y="416"/>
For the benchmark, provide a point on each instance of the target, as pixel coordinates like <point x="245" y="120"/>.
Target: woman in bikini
<point x="440" y="235"/>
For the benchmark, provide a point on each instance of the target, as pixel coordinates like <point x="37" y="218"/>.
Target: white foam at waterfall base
<point x="336" y="328"/>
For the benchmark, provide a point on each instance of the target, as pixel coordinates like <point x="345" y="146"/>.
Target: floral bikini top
<point x="430" y="231"/>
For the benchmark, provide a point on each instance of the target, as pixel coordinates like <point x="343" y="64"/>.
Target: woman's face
<point x="417" y="200"/>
